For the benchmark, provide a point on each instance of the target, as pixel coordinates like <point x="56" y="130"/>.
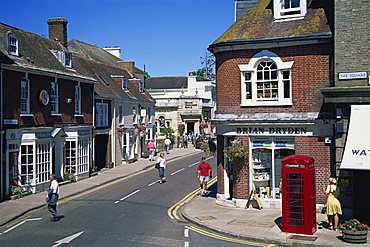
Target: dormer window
<point x="64" y="57"/>
<point x="106" y="82"/>
<point x="289" y="9"/>
<point x="141" y="86"/>
<point x="12" y="45"/>
<point x="124" y="84"/>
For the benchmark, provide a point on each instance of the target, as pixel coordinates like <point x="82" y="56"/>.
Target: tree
<point x="208" y="67"/>
<point x="168" y="132"/>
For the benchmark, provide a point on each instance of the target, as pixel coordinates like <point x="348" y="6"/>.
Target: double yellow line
<point x="172" y="211"/>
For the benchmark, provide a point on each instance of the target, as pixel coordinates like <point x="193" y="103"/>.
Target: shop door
<point x="190" y="128"/>
<point x="361" y="190"/>
<point x="101" y="151"/>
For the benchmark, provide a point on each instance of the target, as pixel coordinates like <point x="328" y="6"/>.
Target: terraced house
<point x="271" y="64"/>
<point x="47" y="110"/>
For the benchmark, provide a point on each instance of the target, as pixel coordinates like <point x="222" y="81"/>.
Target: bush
<point x="16" y="190"/>
<point x="69" y="177"/>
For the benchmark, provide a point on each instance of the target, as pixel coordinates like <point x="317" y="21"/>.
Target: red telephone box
<point x="298" y="194"/>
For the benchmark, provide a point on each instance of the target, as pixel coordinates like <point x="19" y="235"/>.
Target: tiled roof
<point x="258" y="23"/>
<point x="170" y="82"/>
<point x="34" y="51"/>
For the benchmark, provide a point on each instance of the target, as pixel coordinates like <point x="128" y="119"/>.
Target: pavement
<point x="250" y="224"/>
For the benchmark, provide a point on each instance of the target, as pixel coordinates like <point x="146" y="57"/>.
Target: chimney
<point x="114" y="50"/>
<point x="58" y="30"/>
<point x="129" y="65"/>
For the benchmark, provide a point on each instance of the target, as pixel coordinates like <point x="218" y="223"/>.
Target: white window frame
<point x="68" y="59"/>
<point x="125" y="146"/>
<point x="78" y="99"/>
<point x="101" y="115"/>
<point x="43" y="162"/>
<point x="70" y="166"/>
<point x="54" y="97"/>
<point x="141" y="86"/>
<point x="281" y="13"/>
<point x="124" y="84"/>
<point x="12" y="45"/>
<point x="251" y="68"/>
<point x="25" y="96"/>
<point x="83" y="156"/>
<point x="27" y="178"/>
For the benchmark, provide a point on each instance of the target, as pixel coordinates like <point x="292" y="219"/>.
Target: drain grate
<point x="305" y="238"/>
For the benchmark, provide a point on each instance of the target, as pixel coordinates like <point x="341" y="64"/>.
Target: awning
<point x="357" y="150"/>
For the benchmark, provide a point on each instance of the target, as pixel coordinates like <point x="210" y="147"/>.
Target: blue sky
<point x="168" y="36"/>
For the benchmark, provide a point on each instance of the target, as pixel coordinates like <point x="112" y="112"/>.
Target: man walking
<point x="52" y="198"/>
<point x="204" y="174"/>
<point x="167" y="143"/>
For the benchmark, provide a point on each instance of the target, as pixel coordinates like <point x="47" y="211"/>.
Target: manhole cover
<point x="305" y="238"/>
<point x="207" y="217"/>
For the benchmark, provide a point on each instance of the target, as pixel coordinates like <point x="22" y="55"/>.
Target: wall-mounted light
<point x="68" y="100"/>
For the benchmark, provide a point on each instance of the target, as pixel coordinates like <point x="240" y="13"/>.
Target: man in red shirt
<point x="204" y="174"/>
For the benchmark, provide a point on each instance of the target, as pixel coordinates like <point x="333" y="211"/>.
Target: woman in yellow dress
<point x="333" y="207"/>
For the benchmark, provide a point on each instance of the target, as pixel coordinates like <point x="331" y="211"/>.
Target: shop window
<point x="27" y="164"/>
<point x="43" y="162"/>
<point x="70" y="154"/>
<point x="83" y="156"/>
<point x="267" y="153"/>
<point x="266" y="81"/>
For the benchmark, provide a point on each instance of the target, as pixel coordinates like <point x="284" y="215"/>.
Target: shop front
<point x="268" y="145"/>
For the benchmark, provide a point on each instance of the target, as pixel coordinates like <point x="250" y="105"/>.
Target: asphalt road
<point x="132" y="212"/>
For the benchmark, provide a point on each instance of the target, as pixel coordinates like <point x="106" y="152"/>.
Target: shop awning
<point x="357" y="150"/>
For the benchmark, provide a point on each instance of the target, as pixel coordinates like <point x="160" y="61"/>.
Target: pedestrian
<point x="162" y="167"/>
<point x="186" y="138"/>
<point x="151" y="148"/>
<point x="167" y="143"/>
<point x="52" y="198"/>
<point x="333" y="207"/>
<point x="204" y="174"/>
<point x="212" y="146"/>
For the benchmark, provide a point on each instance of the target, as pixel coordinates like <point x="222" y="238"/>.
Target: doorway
<point x="361" y="184"/>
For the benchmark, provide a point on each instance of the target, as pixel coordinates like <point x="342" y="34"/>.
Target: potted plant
<point x="236" y="151"/>
<point x="353" y="231"/>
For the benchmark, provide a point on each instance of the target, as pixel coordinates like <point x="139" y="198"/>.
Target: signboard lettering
<point x="272" y="130"/>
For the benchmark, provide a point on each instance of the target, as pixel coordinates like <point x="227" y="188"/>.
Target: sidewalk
<point x="254" y="224"/>
<point x="12" y="209"/>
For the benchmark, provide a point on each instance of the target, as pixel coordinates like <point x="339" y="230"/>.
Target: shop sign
<point x="352" y="75"/>
<point x="272" y="130"/>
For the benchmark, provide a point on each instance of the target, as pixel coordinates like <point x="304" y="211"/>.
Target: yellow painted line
<point x="172" y="211"/>
<point x="224" y="238"/>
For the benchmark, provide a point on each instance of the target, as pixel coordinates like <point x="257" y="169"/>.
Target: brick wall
<point x="310" y="72"/>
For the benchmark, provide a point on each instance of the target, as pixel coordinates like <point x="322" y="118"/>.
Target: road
<point x="132" y="212"/>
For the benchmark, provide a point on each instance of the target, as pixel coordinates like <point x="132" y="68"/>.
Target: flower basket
<point x="353" y="231"/>
<point x="236" y="151"/>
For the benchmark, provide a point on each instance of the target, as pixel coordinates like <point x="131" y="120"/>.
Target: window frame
<point x="27" y="99"/>
<point x="251" y="69"/>
<point x="12" y="37"/>
<point x="78" y="99"/>
<point x="102" y="114"/>
<point x="282" y="14"/>
<point x="121" y="116"/>
<point x="54" y="98"/>
<point x="124" y="84"/>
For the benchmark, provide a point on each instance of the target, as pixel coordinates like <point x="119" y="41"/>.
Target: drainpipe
<point x="2" y="176"/>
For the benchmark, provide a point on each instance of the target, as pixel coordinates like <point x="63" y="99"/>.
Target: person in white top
<point x="162" y="166"/>
<point x="52" y="198"/>
<point x="167" y="143"/>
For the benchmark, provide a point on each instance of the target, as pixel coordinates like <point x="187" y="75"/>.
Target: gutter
<point x="273" y="42"/>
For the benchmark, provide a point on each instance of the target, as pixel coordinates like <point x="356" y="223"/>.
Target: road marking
<point x="67" y="239"/>
<point x="186" y="233"/>
<point x="172" y="211"/>
<point x="220" y="237"/>
<point x="133" y="193"/>
<point x="177" y="171"/>
<point x="151" y="184"/>
<point x="20" y="223"/>
<point x="186" y="244"/>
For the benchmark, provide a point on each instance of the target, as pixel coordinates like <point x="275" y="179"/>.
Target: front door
<point x="360" y="191"/>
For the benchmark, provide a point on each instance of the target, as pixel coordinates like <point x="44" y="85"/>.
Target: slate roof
<point x="34" y="52"/>
<point x="103" y="71"/>
<point x="258" y="23"/>
<point x="167" y="82"/>
<point x="96" y="53"/>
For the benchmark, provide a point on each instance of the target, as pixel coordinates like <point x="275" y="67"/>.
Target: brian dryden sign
<point x="352" y="75"/>
<point x="272" y="130"/>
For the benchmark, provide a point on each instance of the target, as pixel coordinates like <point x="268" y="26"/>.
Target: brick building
<point x="47" y="111"/>
<point x="271" y="64"/>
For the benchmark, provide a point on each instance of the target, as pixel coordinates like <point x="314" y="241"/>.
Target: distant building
<point x="182" y="100"/>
